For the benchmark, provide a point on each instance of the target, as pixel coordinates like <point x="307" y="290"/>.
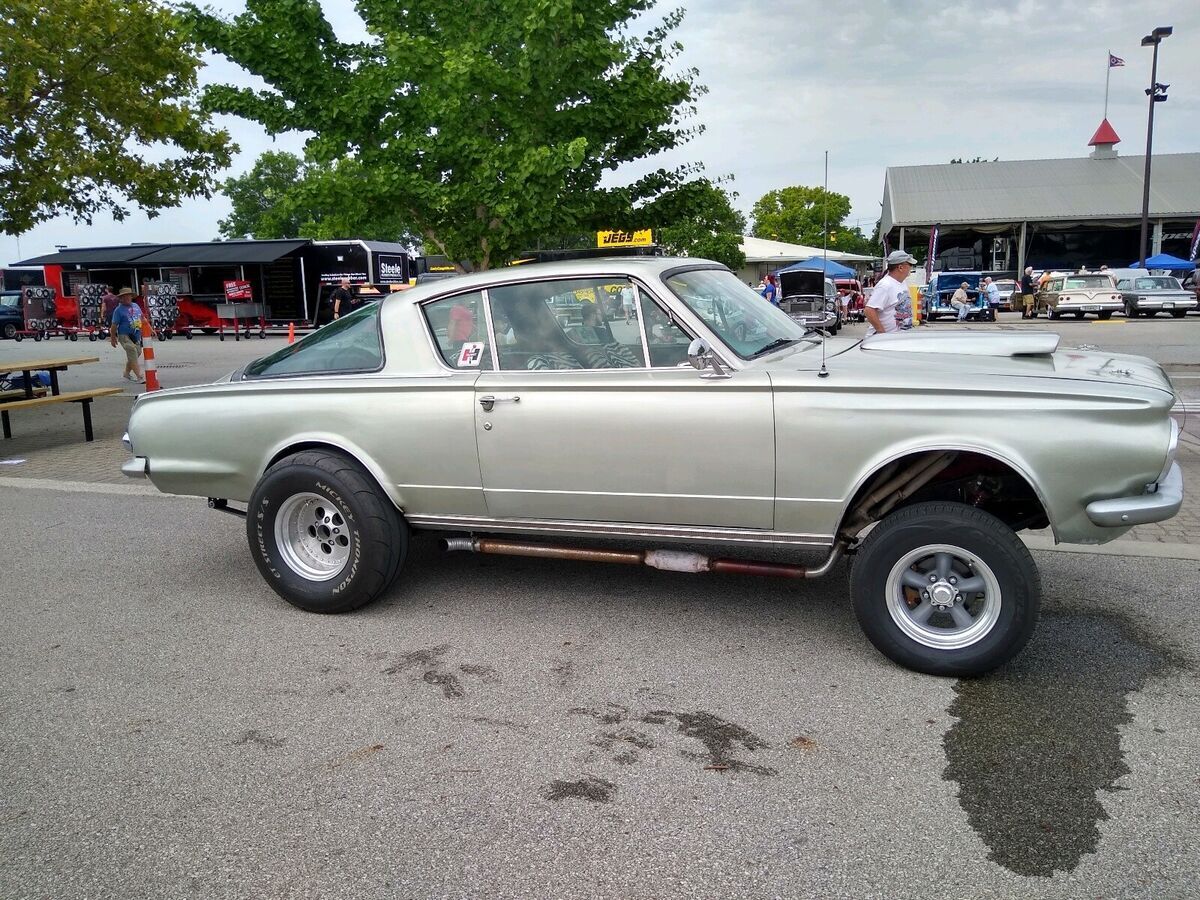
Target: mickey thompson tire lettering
<point x="374" y="536"/>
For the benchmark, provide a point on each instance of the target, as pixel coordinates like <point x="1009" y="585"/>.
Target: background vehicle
<point x="811" y="299"/>
<point x="468" y="407"/>
<point x="1079" y="295"/>
<point x="12" y="319"/>
<point x="941" y="287"/>
<point x="1010" y="293"/>
<point x="858" y="301"/>
<point x="1145" y="295"/>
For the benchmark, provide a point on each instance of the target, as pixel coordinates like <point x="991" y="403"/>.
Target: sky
<point x="875" y="83"/>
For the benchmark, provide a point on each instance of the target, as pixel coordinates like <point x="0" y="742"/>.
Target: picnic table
<point x="29" y="396"/>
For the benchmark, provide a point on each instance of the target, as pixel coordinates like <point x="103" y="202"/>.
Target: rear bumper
<point x="1122" y="512"/>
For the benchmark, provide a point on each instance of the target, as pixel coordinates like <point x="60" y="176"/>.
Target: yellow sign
<point x="641" y="238"/>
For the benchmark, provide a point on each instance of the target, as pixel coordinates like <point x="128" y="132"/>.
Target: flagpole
<point x="1107" y="76"/>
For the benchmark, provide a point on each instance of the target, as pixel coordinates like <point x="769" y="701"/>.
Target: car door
<point x="576" y="426"/>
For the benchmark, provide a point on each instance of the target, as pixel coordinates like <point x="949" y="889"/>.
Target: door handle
<point x="487" y="401"/>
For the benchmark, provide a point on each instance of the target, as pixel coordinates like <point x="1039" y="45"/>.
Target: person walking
<point x="959" y="301"/>
<point x="108" y="302"/>
<point x="342" y="294"/>
<point x="127" y="331"/>
<point x="890" y="308"/>
<point x="627" y="303"/>
<point x="1028" y="292"/>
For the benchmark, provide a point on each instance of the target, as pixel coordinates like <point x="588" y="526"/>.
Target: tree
<point x="91" y="88"/>
<point x="485" y="124"/>
<point x="282" y="196"/>
<point x="698" y="219"/>
<point x="797" y="214"/>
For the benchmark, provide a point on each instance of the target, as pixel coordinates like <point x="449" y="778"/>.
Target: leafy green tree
<point x="698" y="219"/>
<point x="91" y="88"/>
<point x="282" y="196"/>
<point x="797" y="214"/>
<point x="484" y="124"/>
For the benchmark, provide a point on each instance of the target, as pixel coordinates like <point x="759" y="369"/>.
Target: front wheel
<point x="945" y="589"/>
<point x="322" y="534"/>
<point x="10" y="330"/>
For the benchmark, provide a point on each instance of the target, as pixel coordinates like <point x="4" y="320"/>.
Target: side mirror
<point x="701" y="357"/>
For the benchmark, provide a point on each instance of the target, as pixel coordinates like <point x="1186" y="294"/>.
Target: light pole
<point x="1157" y="94"/>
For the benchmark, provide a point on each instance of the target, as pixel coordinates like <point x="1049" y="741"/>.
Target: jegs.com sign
<point x="641" y="238"/>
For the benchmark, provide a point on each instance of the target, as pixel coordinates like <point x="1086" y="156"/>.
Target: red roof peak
<point x="1105" y="134"/>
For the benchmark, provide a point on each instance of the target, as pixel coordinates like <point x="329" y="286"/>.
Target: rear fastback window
<point x="346" y="345"/>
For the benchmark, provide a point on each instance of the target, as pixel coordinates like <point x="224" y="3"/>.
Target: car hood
<point x="1017" y="355"/>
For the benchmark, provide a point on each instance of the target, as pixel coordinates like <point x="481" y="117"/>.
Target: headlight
<point x="1172" y="447"/>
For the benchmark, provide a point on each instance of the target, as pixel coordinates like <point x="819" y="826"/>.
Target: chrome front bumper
<point x="138" y="467"/>
<point x="1154" y="506"/>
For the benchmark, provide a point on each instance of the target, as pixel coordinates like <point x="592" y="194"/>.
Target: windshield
<point x="10" y="300"/>
<point x="746" y="322"/>
<point x="1088" y="283"/>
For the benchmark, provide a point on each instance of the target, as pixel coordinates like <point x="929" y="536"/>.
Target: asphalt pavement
<point x="518" y="728"/>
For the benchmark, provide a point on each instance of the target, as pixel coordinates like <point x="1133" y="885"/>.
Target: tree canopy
<point x="698" y="219"/>
<point x="91" y="89"/>
<point x="797" y="215"/>
<point x="282" y="196"/>
<point x="485" y="125"/>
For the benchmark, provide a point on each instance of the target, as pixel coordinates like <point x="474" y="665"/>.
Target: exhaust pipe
<point x="666" y="560"/>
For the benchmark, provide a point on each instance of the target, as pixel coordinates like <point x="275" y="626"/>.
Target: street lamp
<point x="1157" y="94"/>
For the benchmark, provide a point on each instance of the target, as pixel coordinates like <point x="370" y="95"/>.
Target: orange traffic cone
<point x="150" y="368"/>
<point x="291" y="332"/>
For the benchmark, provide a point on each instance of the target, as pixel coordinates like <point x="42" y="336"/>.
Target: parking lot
<point x="524" y="728"/>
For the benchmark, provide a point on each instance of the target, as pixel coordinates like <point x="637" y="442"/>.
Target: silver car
<point x="509" y="412"/>
<point x="1145" y="295"/>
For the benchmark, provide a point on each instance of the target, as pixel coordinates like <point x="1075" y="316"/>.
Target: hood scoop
<point x="966" y="343"/>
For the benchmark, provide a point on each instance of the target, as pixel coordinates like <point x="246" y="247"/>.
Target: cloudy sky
<point x="876" y="83"/>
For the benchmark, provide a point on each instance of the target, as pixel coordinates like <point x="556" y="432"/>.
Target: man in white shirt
<point x="890" y="308"/>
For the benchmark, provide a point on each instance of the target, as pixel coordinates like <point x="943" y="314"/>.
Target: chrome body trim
<point x="619" y="530"/>
<point x="137" y="467"/>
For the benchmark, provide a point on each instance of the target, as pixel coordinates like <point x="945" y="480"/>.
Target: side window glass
<point x="459" y="329"/>
<point x="668" y="342"/>
<point x="349" y="344"/>
<point x="582" y="323"/>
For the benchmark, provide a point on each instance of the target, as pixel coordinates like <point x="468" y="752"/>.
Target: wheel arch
<point x="345" y="448"/>
<point x="969" y="458"/>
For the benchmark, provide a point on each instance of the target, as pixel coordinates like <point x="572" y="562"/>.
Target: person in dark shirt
<point x="344" y="295"/>
<point x="1028" y="290"/>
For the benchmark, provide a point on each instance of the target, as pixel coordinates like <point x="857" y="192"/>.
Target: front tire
<point x="945" y="589"/>
<point x="322" y="534"/>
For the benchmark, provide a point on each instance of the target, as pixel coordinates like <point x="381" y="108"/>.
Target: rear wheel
<point x="1079" y="315"/>
<point x="1178" y="313"/>
<point x="322" y="534"/>
<point x="945" y="589"/>
<point x="1104" y="316"/>
<point x="1131" y="311"/>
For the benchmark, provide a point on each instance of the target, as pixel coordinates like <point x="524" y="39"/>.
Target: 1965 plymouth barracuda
<point x="506" y="411"/>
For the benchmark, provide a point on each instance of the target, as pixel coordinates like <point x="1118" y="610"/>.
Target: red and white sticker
<point x="471" y="354"/>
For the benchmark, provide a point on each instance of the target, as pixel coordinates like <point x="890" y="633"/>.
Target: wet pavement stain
<point x="718" y="737"/>
<point x="485" y="673"/>
<point x="448" y="682"/>
<point x="589" y="787"/>
<point x="254" y="736"/>
<point x="1034" y="743"/>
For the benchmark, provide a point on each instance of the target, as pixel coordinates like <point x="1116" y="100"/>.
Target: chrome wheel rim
<point x="313" y="536"/>
<point x="943" y="597"/>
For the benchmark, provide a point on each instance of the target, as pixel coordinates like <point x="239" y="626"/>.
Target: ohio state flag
<point x="1114" y="61"/>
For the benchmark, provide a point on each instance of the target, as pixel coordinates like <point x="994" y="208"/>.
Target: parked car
<point x="935" y="296"/>
<point x="811" y="299"/>
<point x="856" y="306"/>
<point x="1146" y="295"/>
<point x="1010" y="293"/>
<point x="1078" y="295"/>
<point x="12" y="319"/>
<point x="465" y="408"/>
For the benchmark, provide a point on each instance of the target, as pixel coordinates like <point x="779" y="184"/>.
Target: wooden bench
<point x="83" y="398"/>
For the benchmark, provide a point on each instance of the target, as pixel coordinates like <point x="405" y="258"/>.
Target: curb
<point x="1143" y="549"/>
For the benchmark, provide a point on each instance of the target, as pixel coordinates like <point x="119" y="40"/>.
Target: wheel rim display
<point x="313" y="536"/>
<point x="943" y="597"/>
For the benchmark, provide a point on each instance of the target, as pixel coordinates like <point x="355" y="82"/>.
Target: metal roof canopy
<point x="221" y="253"/>
<point x="1040" y="190"/>
<point x="126" y="255"/>
<point x="197" y="254"/>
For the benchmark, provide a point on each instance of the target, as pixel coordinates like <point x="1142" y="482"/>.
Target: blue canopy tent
<point x="816" y="264"/>
<point x="1167" y="261"/>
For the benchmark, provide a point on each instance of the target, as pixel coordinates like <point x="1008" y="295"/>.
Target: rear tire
<point x="1178" y="313"/>
<point x="1104" y="316"/>
<point x="927" y="625"/>
<point x="322" y="533"/>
